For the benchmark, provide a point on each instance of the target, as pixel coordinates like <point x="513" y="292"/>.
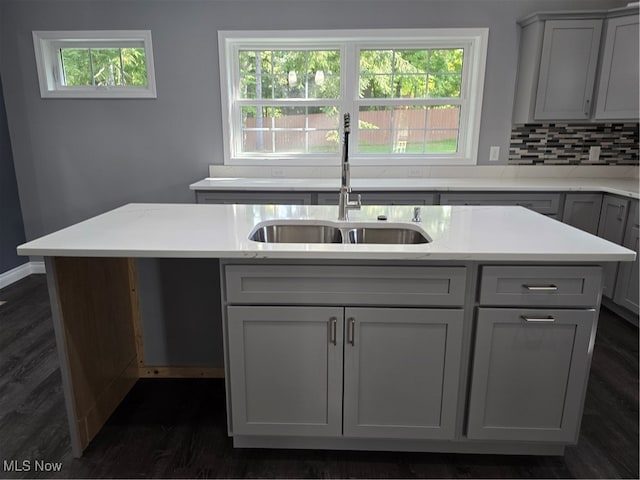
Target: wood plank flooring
<point x="176" y="428"/>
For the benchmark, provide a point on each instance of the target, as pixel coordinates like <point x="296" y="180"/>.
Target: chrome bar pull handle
<point x="541" y="288"/>
<point x="621" y="212"/>
<point x="351" y="334"/>
<point x="548" y="319"/>
<point x="587" y="110"/>
<point x="333" y="330"/>
<point x="416" y="215"/>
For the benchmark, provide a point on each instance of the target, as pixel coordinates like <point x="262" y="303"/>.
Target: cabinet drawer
<point x="540" y="286"/>
<point x="344" y="285"/>
<point x="255" y="198"/>
<point x="382" y="198"/>
<point x="545" y="203"/>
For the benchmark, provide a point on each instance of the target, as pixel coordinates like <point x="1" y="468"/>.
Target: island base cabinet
<point x="401" y="372"/>
<point x="286" y="370"/>
<point x="530" y="371"/>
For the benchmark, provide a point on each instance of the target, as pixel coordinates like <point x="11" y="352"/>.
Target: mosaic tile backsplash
<point x="569" y="144"/>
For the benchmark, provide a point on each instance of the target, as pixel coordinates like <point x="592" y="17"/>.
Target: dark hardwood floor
<point x="177" y="428"/>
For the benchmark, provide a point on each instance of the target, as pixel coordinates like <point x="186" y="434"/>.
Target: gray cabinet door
<point x="582" y="210"/>
<point x="627" y="287"/>
<point x="567" y="69"/>
<point x="613" y="220"/>
<point x="618" y="89"/>
<point x="529" y="376"/>
<point x="401" y="372"/>
<point x="285" y="368"/>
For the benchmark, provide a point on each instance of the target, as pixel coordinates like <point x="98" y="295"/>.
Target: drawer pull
<point x="537" y="319"/>
<point x="541" y="288"/>
<point x="351" y="337"/>
<point x="333" y="327"/>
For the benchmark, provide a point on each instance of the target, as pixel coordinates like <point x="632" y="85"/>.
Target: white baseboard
<point x="18" y="273"/>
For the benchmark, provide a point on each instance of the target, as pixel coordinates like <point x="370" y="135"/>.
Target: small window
<point x="96" y="64"/>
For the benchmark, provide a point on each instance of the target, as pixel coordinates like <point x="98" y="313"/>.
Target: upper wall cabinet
<point x="567" y="69"/>
<point x="619" y="80"/>
<point x="564" y="61"/>
<point x="556" y="69"/>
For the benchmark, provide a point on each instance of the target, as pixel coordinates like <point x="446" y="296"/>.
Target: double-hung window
<point x="414" y="96"/>
<point x="95" y="64"/>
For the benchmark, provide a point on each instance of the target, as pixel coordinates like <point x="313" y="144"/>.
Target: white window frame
<point x="48" y="43"/>
<point x="350" y="42"/>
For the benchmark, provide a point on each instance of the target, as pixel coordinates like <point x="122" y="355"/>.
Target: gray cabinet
<point x="556" y="69"/>
<point x="627" y="287"/>
<point x="401" y="372"/>
<point x="619" y="80"/>
<point x="286" y="370"/>
<point x="530" y="369"/>
<point x="582" y="210"/>
<point x="545" y="203"/>
<point x="530" y="365"/>
<point x="401" y="367"/>
<point x="258" y="198"/>
<point x="390" y="356"/>
<point x="613" y="220"/>
<point x="383" y="198"/>
<point x="567" y="69"/>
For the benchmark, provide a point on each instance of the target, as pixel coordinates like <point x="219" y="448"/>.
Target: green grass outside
<point x="449" y="145"/>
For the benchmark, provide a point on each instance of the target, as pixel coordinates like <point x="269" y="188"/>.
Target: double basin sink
<point x="279" y="231"/>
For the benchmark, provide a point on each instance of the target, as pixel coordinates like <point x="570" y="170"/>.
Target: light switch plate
<point x="494" y="153"/>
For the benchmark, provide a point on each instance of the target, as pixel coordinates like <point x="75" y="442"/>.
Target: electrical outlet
<point x="494" y="153"/>
<point x="594" y="154"/>
<point x="416" y="172"/>
<point x="277" y="172"/>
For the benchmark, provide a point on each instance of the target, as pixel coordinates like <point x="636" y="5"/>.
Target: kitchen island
<point x="478" y="340"/>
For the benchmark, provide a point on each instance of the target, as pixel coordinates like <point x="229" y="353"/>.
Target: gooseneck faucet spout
<point x="344" y="205"/>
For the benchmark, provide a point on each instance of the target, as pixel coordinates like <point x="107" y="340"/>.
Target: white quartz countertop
<point x="485" y="233"/>
<point x="618" y="186"/>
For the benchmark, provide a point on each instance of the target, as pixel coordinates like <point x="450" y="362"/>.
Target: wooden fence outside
<point x="378" y="127"/>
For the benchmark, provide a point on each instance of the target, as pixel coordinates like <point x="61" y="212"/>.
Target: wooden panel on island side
<point x="97" y="314"/>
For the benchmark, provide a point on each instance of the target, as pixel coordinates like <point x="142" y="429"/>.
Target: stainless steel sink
<point x="287" y="231"/>
<point x="401" y="236"/>
<point x="297" y="233"/>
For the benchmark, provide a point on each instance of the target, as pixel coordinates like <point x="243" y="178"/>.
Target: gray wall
<point x="77" y="158"/>
<point x="11" y="227"/>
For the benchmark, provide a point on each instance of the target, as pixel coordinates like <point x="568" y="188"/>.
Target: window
<point x="414" y="95"/>
<point x="95" y="64"/>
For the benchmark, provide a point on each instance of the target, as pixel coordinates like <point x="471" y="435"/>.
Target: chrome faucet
<point x="344" y="204"/>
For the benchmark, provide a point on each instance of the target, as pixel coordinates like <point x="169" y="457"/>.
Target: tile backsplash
<point x="569" y="143"/>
